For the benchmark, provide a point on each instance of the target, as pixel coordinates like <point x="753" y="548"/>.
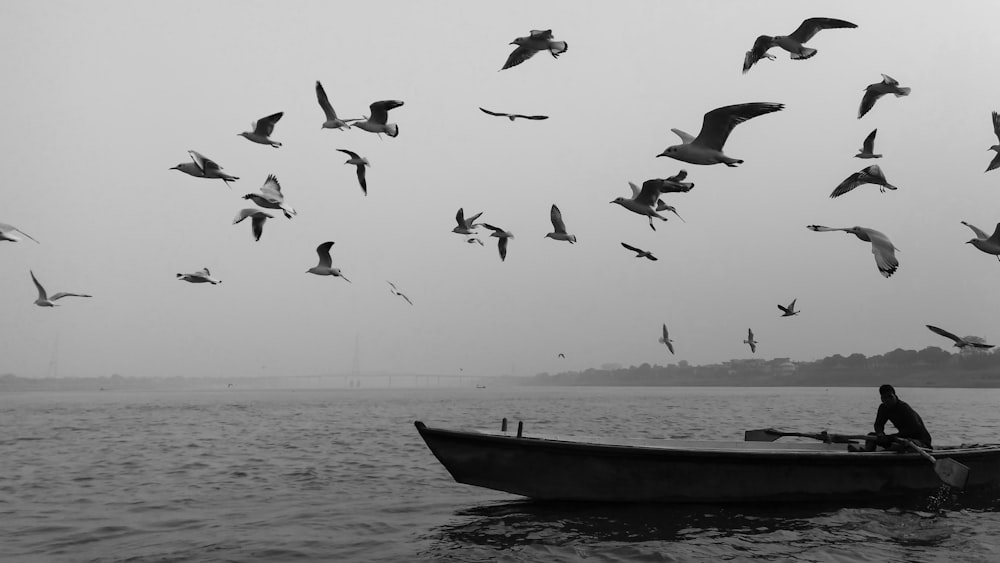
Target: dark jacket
<point x="905" y="419"/>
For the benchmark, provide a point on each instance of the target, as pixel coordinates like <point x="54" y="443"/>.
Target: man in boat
<point x="906" y="420"/>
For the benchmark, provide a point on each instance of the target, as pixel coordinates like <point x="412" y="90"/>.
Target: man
<point x="903" y="417"/>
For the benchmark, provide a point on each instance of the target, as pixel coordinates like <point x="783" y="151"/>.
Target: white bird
<point x="332" y="121"/>
<point x="7" y="233"/>
<point x="466" y="226"/>
<point x="871" y="175"/>
<point x="256" y="222"/>
<point x="995" y="163"/>
<point x="750" y="340"/>
<point x="503" y="237"/>
<point x="201" y="276"/>
<point x="395" y="291"/>
<point x="204" y="167"/>
<point x="513" y="116"/>
<point x="959" y="342"/>
<point x="875" y="91"/>
<point x="262" y="129"/>
<point x="325" y="266"/>
<point x="44" y="300"/>
<point x="378" y="122"/>
<point x="640" y="253"/>
<point x="789" y="310"/>
<point x="536" y="41"/>
<point x="558" y="227"/>
<point x="270" y="196"/>
<point x="716" y="126"/>
<point x="359" y="162"/>
<point x="792" y="43"/>
<point x="643" y="202"/>
<point x="868" y="147"/>
<point x="987" y="244"/>
<point x="882" y="247"/>
<point x="665" y="339"/>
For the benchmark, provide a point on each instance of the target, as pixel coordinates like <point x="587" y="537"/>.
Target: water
<point x="342" y="475"/>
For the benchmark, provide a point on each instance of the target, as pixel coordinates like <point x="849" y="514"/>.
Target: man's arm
<point x="881" y="417"/>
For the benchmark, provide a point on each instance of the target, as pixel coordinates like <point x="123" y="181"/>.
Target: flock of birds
<point x="703" y="149"/>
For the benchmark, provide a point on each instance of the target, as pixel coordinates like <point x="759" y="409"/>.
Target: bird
<point x="875" y="91"/>
<point x="882" y="247"/>
<point x="44" y="300"/>
<point x="750" y="340"/>
<point x="536" y="41"/>
<point x="359" y="162"/>
<point x="868" y="147"/>
<point x="871" y="175"/>
<point x="270" y="196"/>
<point x="792" y="43"/>
<point x="325" y="266"/>
<point x="332" y="121"/>
<point x="706" y="148"/>
<point x="377" y="122"/>
<point x="204" y="167"/>
<point x="256" y="222"/>
<point x="995" y="163"/>
<point x="643" y="201"/>
<point x="987" y="244"/>
<point x="640" y="253"/>
<point x="262" y="129"/>
<point x="561" y="355"/>
<point x="665" y="339"/>
<point x="201" y="276"/>
<point x="7" y="232"/>
<point x="789" y="310"/>
<point x="513" y="116"/>
<point x="959" y="342"/>
<point x="466" y="226"/>
<point x="475" y="240"/>
<point x="395" y="291"/>
<point x="503" y="237"/>
<point x="558" y="227"/>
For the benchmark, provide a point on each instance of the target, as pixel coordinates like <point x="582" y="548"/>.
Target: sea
<point x="238" y="474"/>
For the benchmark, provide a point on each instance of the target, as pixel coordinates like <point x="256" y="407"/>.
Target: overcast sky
<point x="101" y="99"/>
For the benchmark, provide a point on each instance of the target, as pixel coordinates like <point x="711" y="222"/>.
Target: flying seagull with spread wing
<point x="204" y="167"/>
<point x="325" y="265"/>
<point x="988" y="244"/>
<point x="995" y="163"/>
<point x="359" y="162"/>
<point x="640" y="253"/>
<point x="537" y="40"/>
<point x="378" y="122"/>
<point x="645" y="201"/>
<point x="558" y="226"/>
<point x="262" y="129"/>
<point x="665" y="339"/>
<point x="871" y="175"/>
<point x="257" y="218"/>
<point x="873" y="92"/>
<point x="44" y="300"/>
<point x="868" y="147"/>
<point x="467" y="226"/>
<point x="7" y="232"/>
<point x="750" y="341"/>
<point x="270" y="196"/>
<point x="959" y="342"/>
<point x="394" y="291"/>
<point x="789" y="310"/>
<point x="882" y="248"/>
<point x="332" y="121"/>
<point x="793" y="43"/>
<point x="503" y="237"/>
<point x="716" y="126"/>
<point x="201" y="276"/>
<point x="513" y="116"/>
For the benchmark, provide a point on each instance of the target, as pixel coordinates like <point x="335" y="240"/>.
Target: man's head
<point x="888" y="394"/>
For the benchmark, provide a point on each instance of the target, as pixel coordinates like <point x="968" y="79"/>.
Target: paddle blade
<point x="952" y="472"/>
<point x="763" y="435"/>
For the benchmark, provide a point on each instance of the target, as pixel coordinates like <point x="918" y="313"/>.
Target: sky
<point x="101" y="99"/>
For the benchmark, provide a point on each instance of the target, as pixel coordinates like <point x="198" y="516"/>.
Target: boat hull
<point x="586" y="470"/>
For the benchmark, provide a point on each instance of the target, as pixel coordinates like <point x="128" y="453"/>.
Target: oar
<point x="948" y="470"/>
<point x="770" y="435"/>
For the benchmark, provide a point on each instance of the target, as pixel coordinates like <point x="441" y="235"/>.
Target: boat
<point x="568" y="468"/>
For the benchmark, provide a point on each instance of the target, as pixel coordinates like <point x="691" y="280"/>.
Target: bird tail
<point x="903" y="91"/>
<point x="558" y="47"/>
<point x="804" y="54"/>
<point x="392" y="129"/>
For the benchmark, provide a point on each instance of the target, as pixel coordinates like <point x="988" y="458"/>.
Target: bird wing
<point x="995" y="163"/>
<point x="324" y="102"/>
<point x="541" y="34"/>
<point x="361" y="178"/>
<point x="889" y="81"/>
<point x="351" y="154"/>
<point x="380" y="110"/>
<point x="686" y="138"/>
<point x="791" y="306"/>
<point x="265" y="125"/>
<point x="243" y="214"/>
<point x="869" y="144"/>
<point x="649" y="193"/>
<point x="534" y="117"/>
<point x="750" y="334"/>
<point x="996" y="124"/>
<point x="783" y="308"/>
<point x="2" y="227"/>
<point x="810" y="27"/>
<point x="719" y="123"/>
<point x="557" y="221"/>
<point x="41" y="290"/>
<point x="757" y="52"/>
<point x="494" y="113"/>
<point x="257" y="224"/>
<point x="202" y="162"/>
<point x="670" y="346"/>
<point x="753" y="346"/>
<point x="944" y="333"/>
<point x="632" y="248"/>
<point x="62" y="294"/>
<point x="460" y="217"/>
<point x="669" y="185"/>
<point x="518" y="56"/>
<point x="995" y="238"/>
<point x="849" y="183"/>
<point x="502" y="247"/>
<point x="323" y="251"/>
<point x="868" y="100"/>
<point x="884" y="251"/>
<point x="492" y="228"/>
<point x="272" y="188"/>
<point x="635" y="190"/>
<point x="979" y="233"/>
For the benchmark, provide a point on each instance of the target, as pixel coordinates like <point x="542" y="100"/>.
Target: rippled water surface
<point x="342" y="475"/>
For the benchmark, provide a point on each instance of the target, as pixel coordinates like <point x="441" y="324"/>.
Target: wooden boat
<point x="602" y="469"/>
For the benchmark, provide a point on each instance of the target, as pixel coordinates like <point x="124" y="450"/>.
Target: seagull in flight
<point x="394" y="291"/>
<point x="44" y="300"/>
<point x="513" y="116"/>
<point x="558" y="227"/>
<point x="378" y="122"/>
<point x="789" y="310"/>
<point x="643" y="201"/>
<point x="467" y="226"/>
<point x="204" y="167"/>
<point x="868" y="147"/>
<point x="640" y="253"/>
<point x="987" y="244"/>
<point x="995" y="163"/>
<point x="262" y="129"/>
<point x="201" y="276"/>
<point x="270" y="196"/>
<point x="793" y="43"/>
<point x="536" y="41"/>
<point x="561" y="355"/>
<point x="871" y="175"/>
<point x="325" y="266"/>
<point x="706" y="148"/>
<point x="332" y="121"/>
<point x="665" y="339"/>
<point x="256" y="222"/>
<point x="503" y="237"/>
<point x="359" y="162"/>
<point x="875" y="91"/>
<point x="959" y="342"/>
<point x="7" y="232"/>
<point x="882" y="247"/>
<point x="750" y="340"/>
